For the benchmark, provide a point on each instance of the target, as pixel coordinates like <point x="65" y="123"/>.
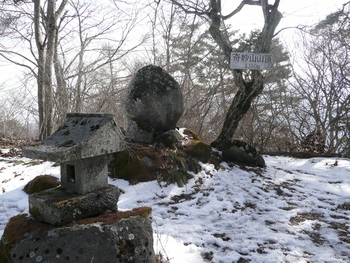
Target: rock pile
<point x="78" y="221"/>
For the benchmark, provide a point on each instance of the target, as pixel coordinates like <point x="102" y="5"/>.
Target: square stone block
<point x="86" y="175"/>
<point x="58" y="207"/>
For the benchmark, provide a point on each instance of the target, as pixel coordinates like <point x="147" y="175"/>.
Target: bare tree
<point x="323" y="81"/>
<point x="40" y="21"/>
<point x="265" y="125"/>
<point x="15" y="110"/>
<point x="65" y="42"/>
<point x="250" y="84"/>
<point x="7" y="18"/>
<point x="46" y="30"/>
<point x="100" y="43"/>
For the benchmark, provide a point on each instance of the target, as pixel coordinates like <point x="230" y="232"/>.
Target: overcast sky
<point x="295" y="12"/>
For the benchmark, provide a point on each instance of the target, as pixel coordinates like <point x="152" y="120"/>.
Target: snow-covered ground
<point x="295" y="210"/>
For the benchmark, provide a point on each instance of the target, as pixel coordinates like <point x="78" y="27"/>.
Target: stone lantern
<point x="81" y="146"/>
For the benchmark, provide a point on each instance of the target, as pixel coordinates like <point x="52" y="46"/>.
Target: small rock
<point x="199" y="150"/>
<point x="41" y="183"/>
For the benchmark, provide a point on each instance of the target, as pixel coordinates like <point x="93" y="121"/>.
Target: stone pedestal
<point x="117" y="237"/>
<point x="57" y="206"/>
<point x="74" y="232"/>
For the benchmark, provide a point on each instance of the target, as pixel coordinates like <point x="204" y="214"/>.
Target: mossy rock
<point x="216" y="161"/>
<point x="137" y="165"/>
<point x="226" y="144"/>
<point x="239" y="152"/>
<point x="41" y="183"/>
<point x="170" y="139"/>
<point x="199" y="150"/>
<point x="180" y="177"/>
<point x="191" y="135"/>
<point x="23" y="237"/>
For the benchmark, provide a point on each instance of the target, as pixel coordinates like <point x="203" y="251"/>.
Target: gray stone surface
<point x="154" y="97"/>
<point x="140" y="133"/>
<point x="126" y="240"/>
<point x="58" y="207"/>
<point x="86" y="175"/>
<point x="80" y="136"/>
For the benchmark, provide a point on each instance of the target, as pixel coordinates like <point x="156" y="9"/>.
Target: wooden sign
<point x="252" y="61"/>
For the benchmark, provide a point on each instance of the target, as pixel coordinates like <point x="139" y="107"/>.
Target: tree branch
<point x="17" y="63"/>
<point x="241" y="5"/>
<point x="60" y="9"/>
<point x="188" y="9"/>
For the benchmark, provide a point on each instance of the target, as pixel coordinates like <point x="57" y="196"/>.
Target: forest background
<point x="100" y="45"/>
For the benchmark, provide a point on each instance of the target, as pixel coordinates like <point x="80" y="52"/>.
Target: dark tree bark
<point x="248" y="89"/>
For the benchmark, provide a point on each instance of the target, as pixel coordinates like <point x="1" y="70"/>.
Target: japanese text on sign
<point x="253" y="61"/>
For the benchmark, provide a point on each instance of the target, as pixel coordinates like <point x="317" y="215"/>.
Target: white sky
<point x="295" y="12"/>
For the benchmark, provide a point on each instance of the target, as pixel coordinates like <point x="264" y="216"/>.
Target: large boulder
<point x="153" y="104"/>
<point x="117" y="237"/>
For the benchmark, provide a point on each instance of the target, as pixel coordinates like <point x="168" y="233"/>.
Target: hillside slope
<point x="295" y="210"/>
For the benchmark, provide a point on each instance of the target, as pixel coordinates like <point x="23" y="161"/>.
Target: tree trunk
<point x="78" y="88"/>
<point x="248" y="90"/>
<point x="51" y="31"/>
<point x="239" y="107"/>
<point x="46" y="52"/>
<point x="61" y="90"/>
<point x="41" y="67"/>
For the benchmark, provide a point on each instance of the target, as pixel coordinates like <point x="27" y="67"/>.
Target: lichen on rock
<point x="118" y="237"/>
